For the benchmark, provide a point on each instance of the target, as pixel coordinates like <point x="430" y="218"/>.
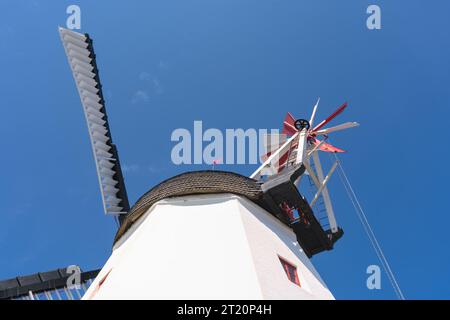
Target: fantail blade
<point x="343" y="126"/>
<point x="331" y="117"/>
<point x="326" y="147"/>
<point x="288" y="125"/>
<point x="313" y="114"/>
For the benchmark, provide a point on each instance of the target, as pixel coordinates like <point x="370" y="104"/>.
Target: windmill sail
<point x="81" y="57"/>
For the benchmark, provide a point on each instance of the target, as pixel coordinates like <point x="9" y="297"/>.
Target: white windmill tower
<point x="211" y="234"/>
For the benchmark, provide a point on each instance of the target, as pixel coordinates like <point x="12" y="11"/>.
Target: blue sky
<point x="231" y="64"/>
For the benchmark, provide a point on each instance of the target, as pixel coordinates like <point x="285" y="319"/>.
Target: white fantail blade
<point x="313" y="115"/>
<point x="81" y="57"/>
<point x="343" y="126"/>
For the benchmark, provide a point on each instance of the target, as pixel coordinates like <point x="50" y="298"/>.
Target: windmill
<point x="210" y="234"/>
<point x="211" y="215"/>
<point x="231" y="236"/>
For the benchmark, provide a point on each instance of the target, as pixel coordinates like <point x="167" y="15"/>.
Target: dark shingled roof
<point x="196" y="182"/>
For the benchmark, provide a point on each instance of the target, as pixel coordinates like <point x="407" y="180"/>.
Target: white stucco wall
<point x="269" y="239"/>
<point x="206" y="247"/>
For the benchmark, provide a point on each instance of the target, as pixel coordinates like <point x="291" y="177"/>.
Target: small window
<point x="291" y="271"/>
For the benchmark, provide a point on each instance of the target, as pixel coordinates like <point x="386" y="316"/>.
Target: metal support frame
<point x="324" y="183"/>
<point x="312" y="174"/>
<point x="315" y="148"/>
<point x="325" y="194"/>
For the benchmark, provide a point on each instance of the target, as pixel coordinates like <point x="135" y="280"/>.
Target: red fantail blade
<point x="288" y="125"/>
<point x="331" y="117"/>
<point x="326" y="147"/>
